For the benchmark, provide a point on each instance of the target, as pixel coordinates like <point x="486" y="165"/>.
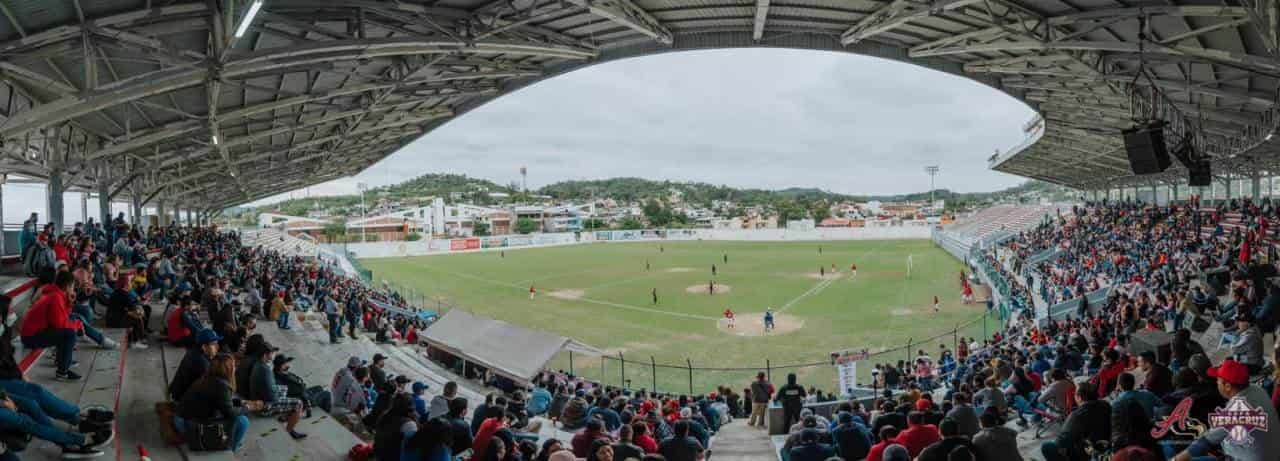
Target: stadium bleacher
<point x="133" y="381"/>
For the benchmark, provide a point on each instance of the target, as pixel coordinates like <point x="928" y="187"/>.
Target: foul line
<point x="815" y="289"/>
<point x="823" y="284"/>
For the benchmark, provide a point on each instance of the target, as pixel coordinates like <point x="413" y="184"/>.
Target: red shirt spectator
<point x="52" y="310"/>
<point x="918" y="435"/>
<point x="485" y="435"/>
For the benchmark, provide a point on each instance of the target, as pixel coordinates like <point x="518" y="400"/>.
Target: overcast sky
<point x="767" y="118"/>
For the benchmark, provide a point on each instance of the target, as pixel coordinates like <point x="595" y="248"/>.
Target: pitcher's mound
<point x="820" y="276"/>
<point x="680" y="269"/>
<point x="706" y="289"/>
<point x="567" y="294"/>
<point x="752" y="324"/>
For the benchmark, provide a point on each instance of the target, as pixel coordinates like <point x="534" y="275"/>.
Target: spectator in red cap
<point x="1233" y="384"/>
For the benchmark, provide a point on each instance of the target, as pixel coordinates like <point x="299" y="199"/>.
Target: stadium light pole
<point x="932" y="171"/>
<point x="364" y="212"/>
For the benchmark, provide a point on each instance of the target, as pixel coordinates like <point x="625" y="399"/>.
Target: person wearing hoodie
<point x="1090" y="422"/>
<point x="994" y="441"/>
<point x="48" y="324"/>
<point x="792" y="397"/>
<point x="918" y="434"/>
<point x="963" y="414"/>
<point x="574" y="415"/>
<point x="951" y="439"/>
<point x="811" y="448"/>
<point x="852" y="440"/>
<point x="896" y="452"/>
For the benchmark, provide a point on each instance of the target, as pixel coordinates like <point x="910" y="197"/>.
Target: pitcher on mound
<point x="728" y="317"/>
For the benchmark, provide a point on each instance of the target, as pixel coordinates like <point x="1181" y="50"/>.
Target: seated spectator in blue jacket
<point x="852" y="440"/>
<point x="420" y="400"/>
<point x="539" y="400"/>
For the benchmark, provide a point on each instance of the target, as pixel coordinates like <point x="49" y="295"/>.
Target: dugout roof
<point x="159" y="98"/>
<point x="513" y="351"/>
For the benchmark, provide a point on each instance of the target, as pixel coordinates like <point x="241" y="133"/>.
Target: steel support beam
<point x="627" y="14"/>
<point x="762" y="15"/>
<point x="895" y="14"/>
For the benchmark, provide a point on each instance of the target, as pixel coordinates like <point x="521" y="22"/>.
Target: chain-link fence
<point x="636" y="371"/>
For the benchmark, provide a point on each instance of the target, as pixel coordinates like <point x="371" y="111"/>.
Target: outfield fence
<point x="636" y="371"/>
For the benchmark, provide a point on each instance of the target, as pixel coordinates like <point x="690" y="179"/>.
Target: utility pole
<point x="932" y="171"/>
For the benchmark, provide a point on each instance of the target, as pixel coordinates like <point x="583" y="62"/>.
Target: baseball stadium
<point x="1119" y="301"/>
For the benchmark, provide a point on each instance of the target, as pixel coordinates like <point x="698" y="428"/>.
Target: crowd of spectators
<point x="1082" y="372"/>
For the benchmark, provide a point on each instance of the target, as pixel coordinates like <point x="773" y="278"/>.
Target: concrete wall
<point x="506" y="242"/>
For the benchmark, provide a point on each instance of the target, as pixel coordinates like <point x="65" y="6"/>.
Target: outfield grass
<point x="600" y="294"/>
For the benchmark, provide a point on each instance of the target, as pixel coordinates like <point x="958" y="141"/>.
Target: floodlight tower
<point x="932" y="171"/>
<point x="364" y="212"/>
<point x="524" y="179"/>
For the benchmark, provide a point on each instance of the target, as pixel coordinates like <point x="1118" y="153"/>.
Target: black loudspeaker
<point x="1146" y="149"/>
<point x="1200" y="173"/>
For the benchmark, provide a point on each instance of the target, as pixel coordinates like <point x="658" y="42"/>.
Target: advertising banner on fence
<point x="604" y="236"/>
<point x="439" y="245"/>
<point x="652" y="234"/>
<point x="519" y="241"/>
<point x="493" y="242"/>
<point x="847" y="368"/>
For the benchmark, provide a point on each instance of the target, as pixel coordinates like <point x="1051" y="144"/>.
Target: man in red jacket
<point x="918" y="434"/>
<point x="488" y="428"/>
<point x="48" y="323"/>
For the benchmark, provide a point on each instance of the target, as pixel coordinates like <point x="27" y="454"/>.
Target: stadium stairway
<point x="317" y="361"/>
<point x="738" y="442"/>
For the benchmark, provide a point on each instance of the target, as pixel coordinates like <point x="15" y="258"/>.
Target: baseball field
<point x="603" y="294"/>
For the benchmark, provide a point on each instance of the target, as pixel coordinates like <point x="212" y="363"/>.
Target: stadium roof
<point x="176" y="106"/>
<point x="509" y="350"/>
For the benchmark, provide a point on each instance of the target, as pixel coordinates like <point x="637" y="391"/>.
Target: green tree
<point x="820" y="210"/>
<point x="593" y="224"/>
<point x="658" y="215"/>
<point x="335" y="231"/>
<point x="630" y="223"/>
<point x="480" y="229"/>
<point x="526" y="226"/>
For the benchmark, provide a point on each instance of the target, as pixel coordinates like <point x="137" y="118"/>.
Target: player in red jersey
<point x="728" y="316"/>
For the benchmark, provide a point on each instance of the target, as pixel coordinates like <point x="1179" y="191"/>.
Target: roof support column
<point x="54" y="204"/>
<point x="177" y="214"/>
<point x="84" y="207"/>
<point x="3" y="179"/>
<point x="1173" y="192"/>
<point x="104" y="205"/>
<point x="160" y="214"/>
<point x="1257" y="186"/>
<point x="136" y="201"/>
